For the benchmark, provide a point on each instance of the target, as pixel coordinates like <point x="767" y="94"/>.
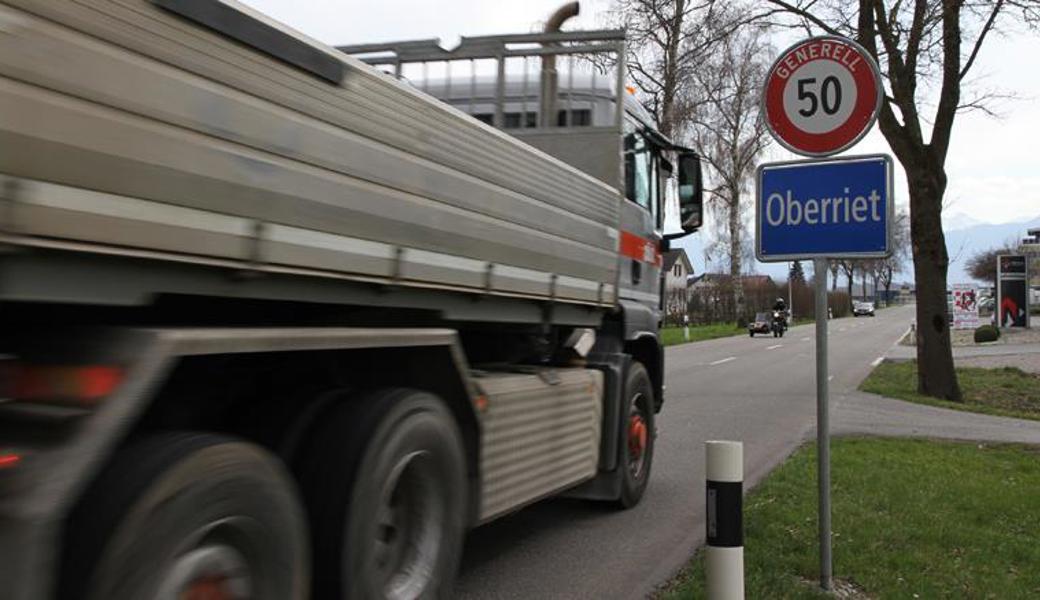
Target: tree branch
<point x="982" y="36"/>
<point x="950" y="92"/>
<point x="805" y="14"/>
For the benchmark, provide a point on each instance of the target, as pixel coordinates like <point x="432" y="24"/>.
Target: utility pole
<point x="790" y="293"/>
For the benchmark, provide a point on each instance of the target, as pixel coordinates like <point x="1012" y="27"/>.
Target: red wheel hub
<point x="636" y="435"/>
<point x="212" y="587"/>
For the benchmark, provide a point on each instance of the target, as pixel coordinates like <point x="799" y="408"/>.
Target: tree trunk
<point x="671" y="70"/>
<point x="734" y="252"/>
<point x="935" y="374"/>
<point x="834" y="276"/>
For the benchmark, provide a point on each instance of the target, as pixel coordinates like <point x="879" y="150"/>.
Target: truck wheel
<point x="637" y="436"/>
<point x="189" y="516"/>
<point x="384" y="479"/>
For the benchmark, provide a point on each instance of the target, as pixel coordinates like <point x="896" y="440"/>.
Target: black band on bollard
<point x="725" y="504"/>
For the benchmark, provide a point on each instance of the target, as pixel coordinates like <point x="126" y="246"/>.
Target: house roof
<point x="672" y="255"/>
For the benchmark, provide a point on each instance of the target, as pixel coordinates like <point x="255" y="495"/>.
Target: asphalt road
<point x="760" y="390"/>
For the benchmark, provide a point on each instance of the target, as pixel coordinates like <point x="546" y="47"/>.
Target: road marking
<point x="724" y="360"/>
<point x="830" y="377"/>
<point x="774" y="347"/>
<point x="877" y="361"/>
<point x="805" y="339"/>
<point x="841" y="329"/>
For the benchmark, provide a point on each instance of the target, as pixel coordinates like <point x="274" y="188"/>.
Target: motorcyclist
<point x="781" y="307"/>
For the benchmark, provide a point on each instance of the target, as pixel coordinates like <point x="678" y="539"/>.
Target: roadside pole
<point x="790" y="293"/>
<point x="724" y="504"/>
<point x="823" y="425"/>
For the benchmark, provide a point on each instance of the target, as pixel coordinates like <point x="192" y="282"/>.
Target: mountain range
<point x="965" y="236"/>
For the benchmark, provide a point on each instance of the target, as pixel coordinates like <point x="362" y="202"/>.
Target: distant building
<point x="676" y="271"/>
<point x="1030" y="247"/>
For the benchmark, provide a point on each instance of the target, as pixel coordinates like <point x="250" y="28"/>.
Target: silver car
<point x="863" y="309"/>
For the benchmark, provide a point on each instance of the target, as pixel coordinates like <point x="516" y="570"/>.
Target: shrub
<point x="986" y="333"/>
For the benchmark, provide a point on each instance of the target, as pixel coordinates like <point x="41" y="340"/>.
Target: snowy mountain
<point x="959" y="221"/>
<point x="964" y="243"/>
<point x="965" y="236"/>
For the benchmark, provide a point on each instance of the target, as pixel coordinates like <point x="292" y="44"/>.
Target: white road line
<point x="841" y="329"/>
<point x="830" y="377"/>
<point x="805" y="339"/>
<point x="877" y="361"/>
<point x="774" y="347"/>
<point x="724" y="360"/>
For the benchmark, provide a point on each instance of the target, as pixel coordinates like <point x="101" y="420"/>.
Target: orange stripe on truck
<point x="640" y="248"/>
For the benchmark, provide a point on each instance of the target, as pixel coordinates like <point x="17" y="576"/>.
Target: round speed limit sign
<point x="822" y="95"/>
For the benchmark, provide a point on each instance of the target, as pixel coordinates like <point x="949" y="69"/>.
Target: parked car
<point x="761" y="324"/>
<point x="864" y="309"/>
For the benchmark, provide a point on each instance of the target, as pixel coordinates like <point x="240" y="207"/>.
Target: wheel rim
<point x="212" y="567"/>
<point x="408" y="528"/>
<point x="638" y="436"/>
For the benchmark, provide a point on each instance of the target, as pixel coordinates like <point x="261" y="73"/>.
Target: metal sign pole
<point x="823" y="426"/>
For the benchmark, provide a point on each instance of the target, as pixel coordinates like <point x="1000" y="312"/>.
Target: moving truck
<point x="278" y="324"/>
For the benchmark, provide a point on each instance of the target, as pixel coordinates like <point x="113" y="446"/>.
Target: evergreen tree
<point x="797" y="275"/>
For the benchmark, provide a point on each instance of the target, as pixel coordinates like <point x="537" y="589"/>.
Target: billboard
<point x="965" y="306"/>
<point x="1012" y="291"/>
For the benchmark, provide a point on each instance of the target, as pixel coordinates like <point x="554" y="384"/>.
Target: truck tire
<point x="384" y="479"/>
<point x="187" y="515"/>
<point x="637" y="435"/>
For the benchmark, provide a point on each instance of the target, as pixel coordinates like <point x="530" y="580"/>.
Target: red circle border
<point x="859" y="120"/>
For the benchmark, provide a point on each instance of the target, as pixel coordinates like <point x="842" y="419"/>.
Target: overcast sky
<point x="992" y="165"/>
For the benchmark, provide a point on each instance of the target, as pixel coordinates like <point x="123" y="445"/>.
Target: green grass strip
<point x="1008" y="391"/>
<point x="911" y="519"/>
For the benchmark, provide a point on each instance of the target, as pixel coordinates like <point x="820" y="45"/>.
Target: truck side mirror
<point x="691" y="192"/>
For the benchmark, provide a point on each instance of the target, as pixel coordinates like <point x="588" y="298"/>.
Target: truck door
<point x="640" y="245"/>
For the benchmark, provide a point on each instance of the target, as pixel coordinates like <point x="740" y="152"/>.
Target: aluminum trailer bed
<point x="127" y="129"/>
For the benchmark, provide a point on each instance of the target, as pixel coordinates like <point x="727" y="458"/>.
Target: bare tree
<point x="728" y="130"/>
<point x="847" y="267"/>
<point x="925" y="49"/>
<point x="887" y="268"/>
<point x="667" y="42"/>
<point x="983" y="264"/>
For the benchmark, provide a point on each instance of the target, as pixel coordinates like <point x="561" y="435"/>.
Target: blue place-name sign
<point x="833" y="208"/>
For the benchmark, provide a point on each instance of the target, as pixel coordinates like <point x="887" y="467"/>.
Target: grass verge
<point x="911" y="519"/>
<point x="671" y="336"/>
<point x="1008" y="391"/>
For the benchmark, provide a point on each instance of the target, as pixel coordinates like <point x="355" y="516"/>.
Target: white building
<point x="676" y="270"/>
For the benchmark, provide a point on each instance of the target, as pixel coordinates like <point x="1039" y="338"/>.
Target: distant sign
<point x="822" y="95"/>
<point x="965" y="306"/>
<point x="1012" y="291"/>
<point x="833" y="208"/>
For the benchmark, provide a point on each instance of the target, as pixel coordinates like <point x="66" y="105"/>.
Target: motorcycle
<point x="779" y="324"/>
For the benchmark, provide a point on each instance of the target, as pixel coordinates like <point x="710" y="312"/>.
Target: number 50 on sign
<point x="822" y="95"/>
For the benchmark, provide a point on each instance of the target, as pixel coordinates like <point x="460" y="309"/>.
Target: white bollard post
<point x="724" y="564"/>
